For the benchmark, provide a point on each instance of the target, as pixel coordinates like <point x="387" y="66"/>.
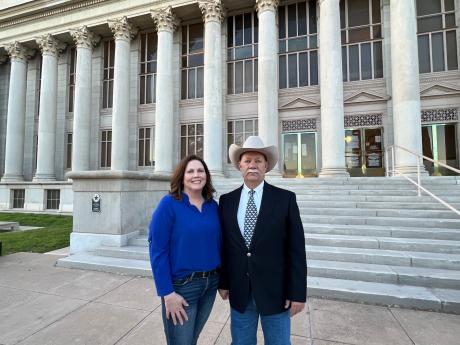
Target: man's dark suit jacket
<point x="274" y="266"/>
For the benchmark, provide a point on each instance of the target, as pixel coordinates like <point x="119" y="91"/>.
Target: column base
<point x="44" y="177"/>
<point x="12" y="178"/>
<point x="333" y="172"/>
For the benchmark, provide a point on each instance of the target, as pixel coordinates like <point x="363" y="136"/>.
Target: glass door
<point x="439" y="142"/>
<point x="364" y="152"/>
<point x="299" y="151"/>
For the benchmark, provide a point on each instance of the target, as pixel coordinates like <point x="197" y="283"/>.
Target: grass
<point x="54" y="234"/>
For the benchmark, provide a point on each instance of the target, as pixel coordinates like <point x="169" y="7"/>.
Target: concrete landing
<point x="41" y="304"/>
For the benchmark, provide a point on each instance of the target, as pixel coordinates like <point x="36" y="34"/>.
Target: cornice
<point x="212" y="10"/>
<point x="122" y="29"/>
<point x="165" y="19"/>
<point x="84" y="38"/>
<point x="18" y="52"/>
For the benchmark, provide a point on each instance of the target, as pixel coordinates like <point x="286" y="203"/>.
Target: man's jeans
<point x="276" y="328"/>
<point x="200" y="294"/>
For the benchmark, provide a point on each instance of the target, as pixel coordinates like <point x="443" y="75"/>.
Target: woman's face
<point x="194" y="177"/>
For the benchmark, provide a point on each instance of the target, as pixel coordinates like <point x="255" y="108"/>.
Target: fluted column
<point x="268" y="73"/>
<point x="213" y="93"/>
<point x="50" y="48"/>
<point x="15" y="126"/>
<point x="332" y="120"/>
<point x="405" y="84"/>
<point x="85" y="40"/>
<point x="123" y="32"/>
<point x="166" y="23"/>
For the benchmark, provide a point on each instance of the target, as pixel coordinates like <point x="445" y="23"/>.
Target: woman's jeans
<point x="200" y="294"/>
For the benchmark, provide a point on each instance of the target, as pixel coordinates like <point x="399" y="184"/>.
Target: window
<point x="18" y="198"/>
<point x="39" y="82"/>
<point x="109" y="67"/>
<point x="72" y="76"/>
<point x="192" y="61"/>
<point x="106" y="149"/>
<point x="148" y="68"/>
<point x="437" y="42"/>
<point x="146" y="147"/>
<point x="242" y="38"/>
<point x="68" y="157"/>
<point x="191" y="139"/>
<point x="239" y="130"/>
<point x="35" y="147"/>
<point x="360" y="22"/>
<point x="298" y="45"/>
<point x="53" y="199"/>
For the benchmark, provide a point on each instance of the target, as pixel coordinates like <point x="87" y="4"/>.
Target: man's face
<point x="253" y="166"/>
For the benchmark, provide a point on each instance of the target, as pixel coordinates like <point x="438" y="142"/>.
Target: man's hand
<point x="223" y="294"/>
<point x="174" y="304"/>
<point x="296" y="307"/>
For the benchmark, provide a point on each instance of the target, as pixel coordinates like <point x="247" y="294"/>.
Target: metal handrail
<point x="420" y="158"/>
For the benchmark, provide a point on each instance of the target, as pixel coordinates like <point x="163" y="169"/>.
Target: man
<point x="263" y="254"/>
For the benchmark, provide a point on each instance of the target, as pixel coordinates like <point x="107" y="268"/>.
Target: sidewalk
<point x="45" y="305"/>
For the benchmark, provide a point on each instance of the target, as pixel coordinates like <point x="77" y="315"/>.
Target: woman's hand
<point x="174" y="304"/>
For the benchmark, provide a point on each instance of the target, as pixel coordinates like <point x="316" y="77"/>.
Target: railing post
<point x="418" y="176"/>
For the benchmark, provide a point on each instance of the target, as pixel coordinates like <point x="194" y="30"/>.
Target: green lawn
<point x="55" y="233"/>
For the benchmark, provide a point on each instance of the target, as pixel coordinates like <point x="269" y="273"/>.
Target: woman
<point x="184" y="243"/>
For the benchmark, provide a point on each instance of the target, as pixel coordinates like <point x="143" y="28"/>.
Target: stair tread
<point x="449" y="220"/>
<point x="374" y="227"/>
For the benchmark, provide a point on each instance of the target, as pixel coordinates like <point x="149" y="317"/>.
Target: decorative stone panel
<point x="440" y="115"/>
<point x="364" y="120"/>
<point x="298" y="125"/>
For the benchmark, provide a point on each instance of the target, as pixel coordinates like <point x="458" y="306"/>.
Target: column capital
<point x="165" y="19"/>
<point x="212" y="10"/>
<point x="84" y="38"/>
<point x="18" y="52"/>
<point x="266" y="5"/>
<point x="50" y="45"/>
<point x="122" y="29"/>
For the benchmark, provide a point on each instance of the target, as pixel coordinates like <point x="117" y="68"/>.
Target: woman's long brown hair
<point x="177" y="179"/>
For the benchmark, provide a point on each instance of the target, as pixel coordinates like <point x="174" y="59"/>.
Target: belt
<point x="204" y="274"/>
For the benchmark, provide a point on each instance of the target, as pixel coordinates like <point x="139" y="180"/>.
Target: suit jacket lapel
<point x="234" y="204"/>
<point x="266" y="207"/>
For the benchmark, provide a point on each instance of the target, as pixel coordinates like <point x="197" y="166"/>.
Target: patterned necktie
<point x="250" y="219"/>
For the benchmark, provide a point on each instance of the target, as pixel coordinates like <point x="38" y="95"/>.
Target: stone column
<point x="51" y="48"/>
<point x="213" y="93"/>
<point x="166" y="23"/>
<point x="405" y="84"/>
<point x="85" y="40"/>
<point x="331" y="83"/>
<point x="267" y="103"/>
<point x="16" y="116"/>
<point x="123" y="32"/>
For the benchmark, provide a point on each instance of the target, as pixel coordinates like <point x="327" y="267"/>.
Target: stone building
<point x="123" y="85"/>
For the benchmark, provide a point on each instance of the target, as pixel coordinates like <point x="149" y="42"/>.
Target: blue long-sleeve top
<point x="182" y="240"/>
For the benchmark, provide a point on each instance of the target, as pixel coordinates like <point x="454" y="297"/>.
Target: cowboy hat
<point x="253" y="144"/>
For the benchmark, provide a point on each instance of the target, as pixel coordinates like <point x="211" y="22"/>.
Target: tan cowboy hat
<point x="253" y="144"/>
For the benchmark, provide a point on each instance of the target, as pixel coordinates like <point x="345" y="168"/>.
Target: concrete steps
<point x="370" y="240"/>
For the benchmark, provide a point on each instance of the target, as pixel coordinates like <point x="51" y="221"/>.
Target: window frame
<point x="143" y="142"/>
<point x="52" y="202"/>
<point x="18" y="199"/>
<point x="72" y="78"/>
<point x="106" y="149"/>
<point x="186" y="71"/>
<point x="109" y="70"/>
<point x="231" y="131"/>
<point x="144" y="63"/>
<point x="187" y="136"/>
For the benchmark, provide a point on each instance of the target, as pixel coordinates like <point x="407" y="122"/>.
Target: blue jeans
<point x="200" y="294"/>
<point x="276" y="327"/>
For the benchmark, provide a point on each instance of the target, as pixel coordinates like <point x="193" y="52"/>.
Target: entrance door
<point x="439" y="143"/>
<point x="299" y="154"/>
<point x="364" y="152"/>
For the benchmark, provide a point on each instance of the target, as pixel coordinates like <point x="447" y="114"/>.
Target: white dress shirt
<point x="258" y="191"/>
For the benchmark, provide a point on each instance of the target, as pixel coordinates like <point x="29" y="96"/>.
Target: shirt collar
<point x="258" y="190"/>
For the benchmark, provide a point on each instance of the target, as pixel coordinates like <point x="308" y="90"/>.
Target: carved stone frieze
<point x="212" y="10"/>
<point x="165" y="19"/>
<point x="263" y="5"/>
<point x="439" y="115"/>
<point x="84" y="38"/>
<point x="363" y="120"/>
<point x="298" y="125"/>
<point x="122" y="29"/>
<point x="17" y="51"/>
<point x="50" y="45"/>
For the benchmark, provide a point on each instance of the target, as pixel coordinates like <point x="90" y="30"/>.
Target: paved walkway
<point x="45" y="305"/>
